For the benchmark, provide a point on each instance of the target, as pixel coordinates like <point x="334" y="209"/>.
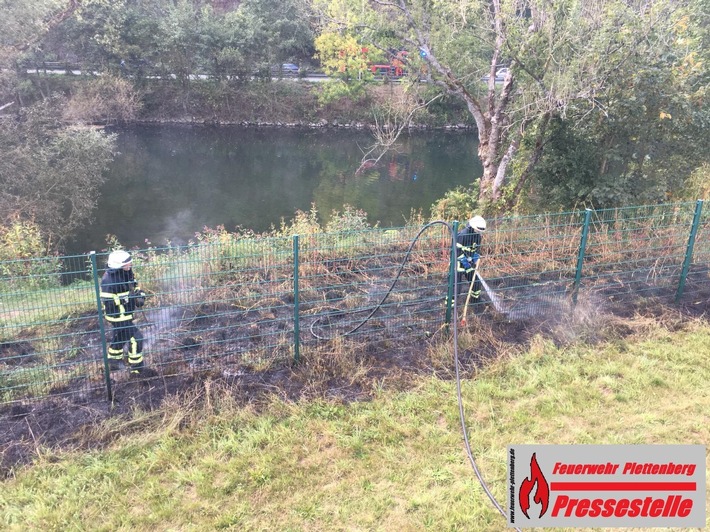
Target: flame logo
<point x="542" y="489"/>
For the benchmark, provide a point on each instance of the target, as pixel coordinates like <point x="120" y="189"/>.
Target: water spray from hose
<point x="492" y="296"/>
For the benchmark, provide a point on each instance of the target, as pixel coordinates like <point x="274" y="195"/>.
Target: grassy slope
<point x="395" y="463"/>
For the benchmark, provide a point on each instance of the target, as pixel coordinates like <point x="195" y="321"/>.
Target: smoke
<point x="173" y="301"/>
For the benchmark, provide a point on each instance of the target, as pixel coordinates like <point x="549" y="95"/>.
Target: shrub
<point x="304" y="223"/>
<point x="337" y="90"/>
<point x="697" y="186"/>
<point x="351" y="219"/>
<point x="457" y="204"/>
<point x="106" y="99"/>
<point x="20" y="244"/>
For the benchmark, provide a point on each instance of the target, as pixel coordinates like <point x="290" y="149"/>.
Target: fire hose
<point x="462" y="416"/>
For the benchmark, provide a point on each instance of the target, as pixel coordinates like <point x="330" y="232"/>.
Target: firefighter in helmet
<point x="468" y="247"/>
<point x="121" y="296"/>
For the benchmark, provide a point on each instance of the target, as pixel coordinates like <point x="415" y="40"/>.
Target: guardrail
<point x="51" y="65"/>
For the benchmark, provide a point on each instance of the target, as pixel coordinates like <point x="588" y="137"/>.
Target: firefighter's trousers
<point x="126" y="333"/>
<point x="464" y="281"/>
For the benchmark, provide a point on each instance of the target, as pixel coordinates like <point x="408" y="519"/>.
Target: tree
<point x="23" y="25"/>
<point x="341" y="56"/>
<point x="652" y="136"/>
<point x="345" y="62"/>
<point x="259" y="34"/>
<point x="50" y="174"/>
<point x="273" y="31"/>
<point x="108" y="36"/>
<point x="562" y="58"/>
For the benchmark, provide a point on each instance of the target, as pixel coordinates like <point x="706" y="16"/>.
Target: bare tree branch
<point x="387" y="133"/>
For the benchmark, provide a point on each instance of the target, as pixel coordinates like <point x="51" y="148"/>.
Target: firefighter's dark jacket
<point x="119" y="290"/>
<point x="468" y="242"/>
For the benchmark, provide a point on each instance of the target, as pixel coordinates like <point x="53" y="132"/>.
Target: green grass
<point x="44" y="307"/>
<point x="394" y="463"/>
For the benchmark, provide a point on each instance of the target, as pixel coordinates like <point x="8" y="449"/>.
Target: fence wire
<point x="49" y="341"/>
<point x="699" y="269"/>
<point x="230" y="304"/>
<point x="639" y="250"/>
<point x="529" y="263"/>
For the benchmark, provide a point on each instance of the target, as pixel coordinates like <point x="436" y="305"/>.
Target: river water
<point x="169" y="182"/>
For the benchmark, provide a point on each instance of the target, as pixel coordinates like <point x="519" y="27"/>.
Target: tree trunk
<point x="486" y="191"/>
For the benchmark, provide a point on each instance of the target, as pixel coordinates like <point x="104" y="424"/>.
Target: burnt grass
<point x="333" y="370"/>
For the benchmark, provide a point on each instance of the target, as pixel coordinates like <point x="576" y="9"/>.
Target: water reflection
<point x="170" y="181"/>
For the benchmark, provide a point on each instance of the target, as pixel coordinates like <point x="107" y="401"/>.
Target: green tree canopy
<point x="565" y="62"/>
<point x="50" y="174"/>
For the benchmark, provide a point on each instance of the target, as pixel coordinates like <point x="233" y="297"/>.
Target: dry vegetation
<point x="198" y="296"/>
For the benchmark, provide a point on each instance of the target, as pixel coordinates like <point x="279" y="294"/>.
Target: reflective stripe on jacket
<point x="116" y="288"/>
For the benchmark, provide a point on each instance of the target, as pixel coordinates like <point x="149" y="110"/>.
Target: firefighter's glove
<point x="139" y="298"/>
<point x="475" y="257"/>
<point x="465" y="264"/>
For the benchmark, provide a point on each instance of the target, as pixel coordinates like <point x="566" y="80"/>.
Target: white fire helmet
<point x="478" y="224"/>
<point x="118" y="259"/>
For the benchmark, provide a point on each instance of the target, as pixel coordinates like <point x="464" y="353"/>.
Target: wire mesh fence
<point x="346" y="277"/>
<point x="231" y="304"/>
<point x="48" y="324"/>
<point x="639" y="250"/>
<point x="699" y="267"/>
<point x="529" y="263"/>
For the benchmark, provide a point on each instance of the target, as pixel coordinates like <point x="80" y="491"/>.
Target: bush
<point x="337" y="90"/>
<point x="106" y="99"/>
<point x="20" y="245"/>
<point x="351" y="219"/>
<point x="303" y="223"/>
<point x="697" y="186"/>
<point x="457" y="204"/>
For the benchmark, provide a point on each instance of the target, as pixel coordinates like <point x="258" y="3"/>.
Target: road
<point x="311" y="77"/>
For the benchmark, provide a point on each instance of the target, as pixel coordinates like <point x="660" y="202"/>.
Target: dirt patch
<point x="16" y="353"/>
<point x="67" y="422"/>
<point x="345" y="370"/>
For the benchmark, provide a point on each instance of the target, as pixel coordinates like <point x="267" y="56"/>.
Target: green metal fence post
<point x="689" y="249"/>
<point x="452" y="273"/>
<point x="102" y="330"/>
<point x="296" y="323"/>
<point x="580" y="255"/>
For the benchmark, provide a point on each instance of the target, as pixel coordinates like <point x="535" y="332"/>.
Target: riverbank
<point x="289" y="102"/>
<point x="321" y="124"/>
<point x="298" y="103"/>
